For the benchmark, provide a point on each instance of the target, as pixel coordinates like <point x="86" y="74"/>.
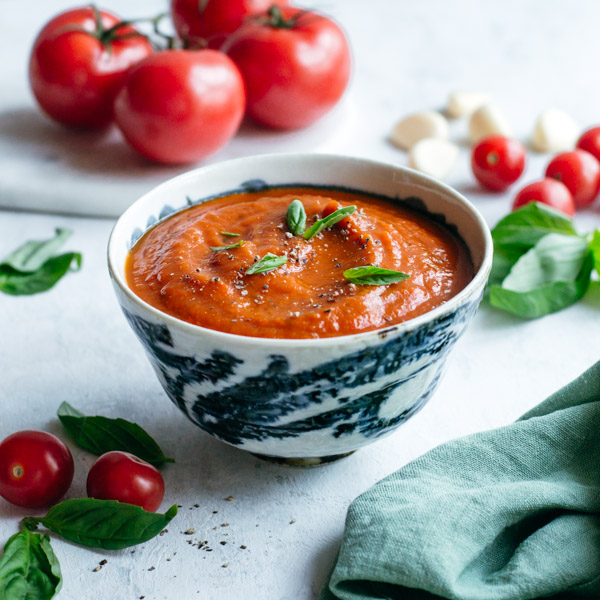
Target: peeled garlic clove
<point x="433" y="157"/>
<point x="488" y="120"/>
<point x="415" y="127"/>
<point x="462" y="104"/>
<point x="555" y="131"/>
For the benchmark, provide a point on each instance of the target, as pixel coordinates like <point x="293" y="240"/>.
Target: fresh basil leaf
<point x="503" y="261"/>
<point x="554" y="274"/>
<point x="101" y="434"/>
<point x="595" y="248"/>
<point x="369" y="275"/>
<point x="230" y="247"/>
<point x="19" y="283"/>
<point x="29" y="569"/>
<point x="328" y="221"/>
<point x="104" y="524"/>
<point x="269" y="262"/>
<point x="33" y="254"/>
<point x="229" y="234"/>
<point x="523" y="228"/>
<point x="296" y="217"/>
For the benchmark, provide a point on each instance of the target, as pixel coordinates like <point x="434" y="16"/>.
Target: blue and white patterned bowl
<point x="301" y="401"/>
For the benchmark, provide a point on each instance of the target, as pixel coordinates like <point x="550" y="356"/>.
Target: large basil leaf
<point x="101" y="434"/>
<point x="104" y="524"/>
<point x="523" y="228"/>
<point x="29" y="570"/>
<point x="33" y="254"/>
<point x="595" y="248"/>
<point x="554" y="274"/>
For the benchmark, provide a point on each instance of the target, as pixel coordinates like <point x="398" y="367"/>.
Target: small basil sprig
<point x="34" y="267"/>
<point x="101" y="434"/>
<point x="269" y="262"/>
<point x="296" y="217"/>
<point x="104" y="524"/>
<point x="29" y="568"/>
<point x="541" y="265"/>
<point x="230" y="247"/>
<point x="369" y="275"/>
<point x="328" y="221"/>
<point x="229" y="234"/>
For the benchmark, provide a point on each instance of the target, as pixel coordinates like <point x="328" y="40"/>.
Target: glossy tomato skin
<point x="293" y="75"/>
<point x="73" y="76"/>
<point x="180" y="106"/>
<point x="124" y="477"/>
<point x="498" y="162"/>
<point x="580" y="172"/>
<point x="214" y="20"/>
<point x="547" y="191"/>
<point x="36" y="469"/>
<point x="590" y="142"/>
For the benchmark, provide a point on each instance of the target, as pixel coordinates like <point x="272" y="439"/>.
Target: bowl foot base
<point x="315" y="461"/>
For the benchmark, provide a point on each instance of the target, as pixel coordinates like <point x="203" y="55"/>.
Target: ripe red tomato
<point x="547" y="191"/>
<point x="497" y="162"/>
<point x="78" y="65"/>
<point x="124" y="477"/>
<point x="214" y="20"/>
<point x="296" y="65"/>
<point x="590" y="142"/>
<point x="36" y="469"/>
<point x="580" y="172"/>
<point x="179" y="106"/>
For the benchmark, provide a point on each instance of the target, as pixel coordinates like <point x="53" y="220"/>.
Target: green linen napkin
<point x="508" y="514"/>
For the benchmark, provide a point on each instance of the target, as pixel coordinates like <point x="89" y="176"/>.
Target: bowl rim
<point x="417" y="177"/>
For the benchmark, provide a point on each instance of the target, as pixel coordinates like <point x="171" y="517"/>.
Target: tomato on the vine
<point x="124" y="477"/>
<point x="78" y="64"/>
<point x="179" y="106"/>
<point x="214" y="20"/>
<point x="590" y="142"/>
<point x="36" y="469"/>
<point x="547" y="191"/>
<point x="498" y="162"/>
<point x="295" y="63"/>
<point x="580" y="172"/>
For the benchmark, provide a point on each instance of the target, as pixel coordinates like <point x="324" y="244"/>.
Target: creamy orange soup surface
<point x="173" y="268"/>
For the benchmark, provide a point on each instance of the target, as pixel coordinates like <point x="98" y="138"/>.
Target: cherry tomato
<point x="124" y="477"/>
<point x="78" y="64"/>
<point x="296" y="65"/>
<point x="547" y="191"/>
<point x="497" y="162"/>
<point x="214" y="20"/>
<point x="36" y="469"/>
<point x="179" y="106"/>
<point x="590" y="142"/>
<point x="580" y="172"/>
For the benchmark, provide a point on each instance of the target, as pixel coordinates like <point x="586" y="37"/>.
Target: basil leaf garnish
<point x="230" y="247"/>
<point x="33" y="267"/>
<point x="369" y="275"/>
<point x="229" y="234"/>
<point x="269" y="262"/>
<point x="296" y="217"/>
<point x="328" y="221"/>
<point x="101" y="434"/>
<point x="552" y="275"/>
<point x="104" y="524"/>
<point x="29" y="569"/>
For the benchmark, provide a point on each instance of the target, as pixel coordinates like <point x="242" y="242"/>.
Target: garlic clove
<point x="488" y="120"/>
<point x="554" y="131"/>
<point x="415" y="127"/>
<point x="464" y="103"/>
<point x="433" y="157"/>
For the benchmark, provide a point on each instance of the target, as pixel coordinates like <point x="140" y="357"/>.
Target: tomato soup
<point x="183" y="266"/>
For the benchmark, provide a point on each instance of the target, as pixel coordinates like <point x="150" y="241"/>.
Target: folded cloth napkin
<point x="508" y="514"/>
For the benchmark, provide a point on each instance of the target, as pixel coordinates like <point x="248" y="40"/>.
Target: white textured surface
<point x="73" y="343"/>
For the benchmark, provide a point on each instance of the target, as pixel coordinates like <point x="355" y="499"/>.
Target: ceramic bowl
<point x="301" y="401"/>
